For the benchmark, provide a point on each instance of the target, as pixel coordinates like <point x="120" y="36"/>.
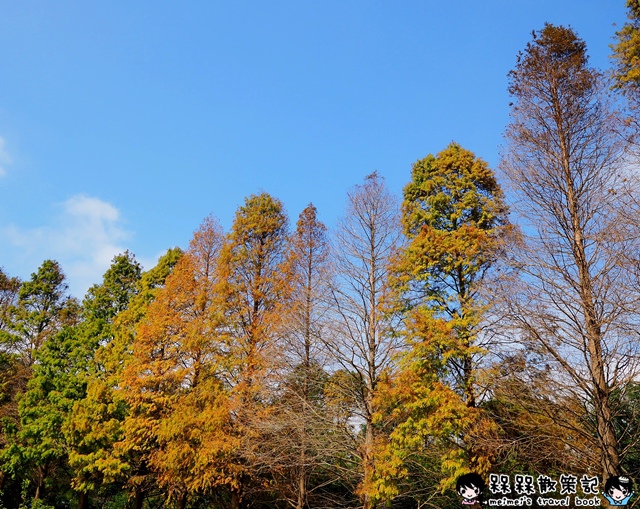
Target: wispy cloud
<point x="84" y="235"/>
<point x="5" y="159"/>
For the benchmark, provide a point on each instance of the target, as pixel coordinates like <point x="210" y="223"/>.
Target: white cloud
<point x="84" y="236"/>
<point x="5" y="159"/>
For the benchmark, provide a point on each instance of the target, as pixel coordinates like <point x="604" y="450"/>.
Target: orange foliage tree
<point x="251" y="292"/>
<point x="179" y="414"/>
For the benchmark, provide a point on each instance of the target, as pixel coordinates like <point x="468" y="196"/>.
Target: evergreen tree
<point x="39" y="324"/>
<point x="113" y="310"/>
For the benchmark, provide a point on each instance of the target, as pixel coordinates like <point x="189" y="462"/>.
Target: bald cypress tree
<point x="455" y="220"/>
<point x="576" y="302"/>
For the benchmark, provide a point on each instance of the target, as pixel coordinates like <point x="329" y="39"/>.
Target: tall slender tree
<point x="13" y="374"/>
<point x="299" y="427"/>
<point x="102" y="304"/>
<point x="309" y="257"/>
<point x="576" y="302"/>
<point x="178" y="405"/>
<point x="252" y="290"/>
<point x="42" y="312"/>
<point x="362" y="344"/>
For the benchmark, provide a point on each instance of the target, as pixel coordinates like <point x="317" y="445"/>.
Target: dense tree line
<point x="373" y="364"/>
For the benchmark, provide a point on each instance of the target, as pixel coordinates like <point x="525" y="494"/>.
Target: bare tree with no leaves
<point x="362" y="346"/>
<point x="299" y="437"/>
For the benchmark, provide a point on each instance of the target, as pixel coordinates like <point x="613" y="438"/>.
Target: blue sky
<point x="123" y="124"/>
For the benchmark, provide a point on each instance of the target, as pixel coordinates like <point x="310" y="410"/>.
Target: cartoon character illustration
<point x="617" y="490"/>
<point x="470" y="488"/>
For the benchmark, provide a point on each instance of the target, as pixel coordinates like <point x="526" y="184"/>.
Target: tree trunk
<point x="138" y="500"/>
<point x="368" y="464"/>
<point x="302" y="487"/>
<point x="182" y="501"/>
<point x="566" y="161"/>
<point x="236" y="498"/>
<point x="42" y="473"/>
<point x="609" y="458"/>
<point x="83" y="500"/>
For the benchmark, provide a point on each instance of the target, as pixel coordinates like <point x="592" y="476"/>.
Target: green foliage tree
<point x="58" y="381"/>
<point x="13" y="374"/>
<point x="113" y="310"/>
<point x="455" y="221"/>
<point x="626" y="53"/>
<point x="42" y="308"/>
<point x="626" y="403"/>
<point x="119" y="285"/>
<point x="455" y="218"/>
<point x="41" y="311"/>
<point x="63" y="369"/>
